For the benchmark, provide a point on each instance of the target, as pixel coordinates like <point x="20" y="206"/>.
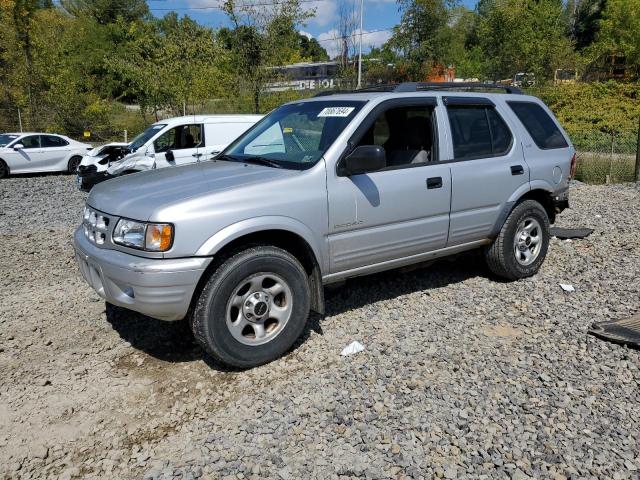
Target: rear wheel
<point x="74" y="163"/>
<point x="253" y="308"/>
<point x="522" y="244"/>
<point x="4" y="169"/>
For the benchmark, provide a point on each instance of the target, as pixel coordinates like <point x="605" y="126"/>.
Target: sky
<point x="379" y="17"/>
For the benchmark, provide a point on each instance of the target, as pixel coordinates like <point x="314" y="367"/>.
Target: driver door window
<point x="406" y="134"/>
<point x="30" y="142"/>
<point x="182" y="141"/>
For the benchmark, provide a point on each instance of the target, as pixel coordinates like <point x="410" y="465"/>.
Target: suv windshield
<point x="295" y="135"/>
<point x="141" y="139"/>
<point x="7" y="138"/>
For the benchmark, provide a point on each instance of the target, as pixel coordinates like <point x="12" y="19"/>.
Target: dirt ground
<point x="94" y="391"/>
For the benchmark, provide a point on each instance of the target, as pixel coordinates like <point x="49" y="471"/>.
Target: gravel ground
<point x="462" y="376"/>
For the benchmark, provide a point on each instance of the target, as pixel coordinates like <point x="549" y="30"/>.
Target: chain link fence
<point x="606" y="157"/>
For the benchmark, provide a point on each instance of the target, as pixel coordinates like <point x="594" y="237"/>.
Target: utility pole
<point x="637" y="172"/>
<point x="360" y="50"/>
<point x="20" y="120"/>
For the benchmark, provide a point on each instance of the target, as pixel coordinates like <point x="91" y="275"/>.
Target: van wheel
<point x="4" y="169"/>
<point x="522" y="244"/>
<point x="74" y="163"/>
<point x="253" y="308"/>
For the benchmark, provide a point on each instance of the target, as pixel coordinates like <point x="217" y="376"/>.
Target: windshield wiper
<point x="251" y="159"/>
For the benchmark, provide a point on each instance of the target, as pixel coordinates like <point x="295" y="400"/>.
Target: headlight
<point x="154" y="237"/>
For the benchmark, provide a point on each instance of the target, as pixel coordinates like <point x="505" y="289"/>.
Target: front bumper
<point x="87" y="180"/>
<point x="159" y="288"/>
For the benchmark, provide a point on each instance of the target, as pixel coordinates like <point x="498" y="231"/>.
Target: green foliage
<point x="619" y="32"/>
<point x="609" y="108"/>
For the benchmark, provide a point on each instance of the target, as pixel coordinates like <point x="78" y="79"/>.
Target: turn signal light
<point x="159" y="237"/>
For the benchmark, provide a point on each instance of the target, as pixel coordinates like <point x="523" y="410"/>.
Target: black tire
<point x="502" y="257"/>
<point x="74" y="163"/>
<point x="213" y="308"/>
<point x="4" y="169"/>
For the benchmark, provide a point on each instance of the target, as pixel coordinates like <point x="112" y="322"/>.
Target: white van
<point x="171" y="142"/>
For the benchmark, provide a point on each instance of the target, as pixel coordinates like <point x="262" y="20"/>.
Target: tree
<point x="311" y="50"/>
<point x="523" y="36"/>
<point x="619" y="33"/>
<point x="108" y="11"/>
<point x="263" y="36"/>
<point x="169" y="64"/>
<point x="422" y="38"/>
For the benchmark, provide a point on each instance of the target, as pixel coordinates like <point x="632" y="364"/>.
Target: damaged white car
<point x="171" y="142"/>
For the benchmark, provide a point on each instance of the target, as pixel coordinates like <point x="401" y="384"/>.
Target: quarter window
<point x="539" y="124"/>
<point x="478" y="131"/>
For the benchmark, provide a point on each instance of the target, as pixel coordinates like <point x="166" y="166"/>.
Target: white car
<point x="39" y="152"/>
<point x="171" y="142"/>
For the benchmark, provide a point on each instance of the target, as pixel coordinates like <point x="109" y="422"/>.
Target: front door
<point x="27" y="159"/>
<point x="401" y="210"/>
<point x="488" y="168"/>
<point x="179" y="145"/>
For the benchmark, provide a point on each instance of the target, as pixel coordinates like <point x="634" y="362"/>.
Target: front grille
<point x="97" y="226"/>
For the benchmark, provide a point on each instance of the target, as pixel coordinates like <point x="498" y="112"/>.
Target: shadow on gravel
<point x="174" y="342"/>
<point x="361" y="291"/>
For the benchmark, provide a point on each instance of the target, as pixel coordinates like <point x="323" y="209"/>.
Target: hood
<point x="139" y="195"/>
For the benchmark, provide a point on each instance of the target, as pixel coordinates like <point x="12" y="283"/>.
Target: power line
<point x="241" y="5"/>
<point x="354" y="34"/>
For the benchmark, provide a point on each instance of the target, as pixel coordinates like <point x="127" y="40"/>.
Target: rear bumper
<point x="159" y="288"/>
<point x="560" y="200"/>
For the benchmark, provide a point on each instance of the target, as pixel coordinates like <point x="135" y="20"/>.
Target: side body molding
<point x="257" y="224"/>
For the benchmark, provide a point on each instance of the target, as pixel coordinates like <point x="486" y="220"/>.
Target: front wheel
<point x="253" y="308"/>
<point x="522" y="244"/>
<point x="74" y="163"/>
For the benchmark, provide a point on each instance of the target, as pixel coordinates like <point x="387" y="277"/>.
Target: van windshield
<point x="141" y="139"/>
<point x="295" y="135"/>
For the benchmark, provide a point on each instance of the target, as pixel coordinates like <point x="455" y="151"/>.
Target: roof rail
<point x="422" y="86"/>
<point x="412" y="87"/>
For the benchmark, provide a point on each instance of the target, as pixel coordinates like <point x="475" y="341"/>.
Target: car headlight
<point x="154" y="237"/>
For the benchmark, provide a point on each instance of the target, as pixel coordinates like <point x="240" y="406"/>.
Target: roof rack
<point x="424" y="86"/>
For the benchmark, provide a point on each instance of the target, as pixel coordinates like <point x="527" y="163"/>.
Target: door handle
<point x="197" y="155"/>
<point x="434" y="182"/>
<point x="517" y="170"/>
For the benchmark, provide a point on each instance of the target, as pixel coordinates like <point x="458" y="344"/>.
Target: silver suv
<point x="321" y="190"/>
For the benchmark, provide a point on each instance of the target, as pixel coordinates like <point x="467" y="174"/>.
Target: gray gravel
<point x="462" y="376"/>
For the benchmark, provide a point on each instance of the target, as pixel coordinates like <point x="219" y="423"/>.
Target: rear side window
<point x="478" y="131"/>
<point x="539" y="124"/>
<point x="52" y="141"/>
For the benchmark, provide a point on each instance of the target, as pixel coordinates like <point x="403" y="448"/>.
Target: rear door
<point x="54" y="152"/>
<point x="487" y="168"/>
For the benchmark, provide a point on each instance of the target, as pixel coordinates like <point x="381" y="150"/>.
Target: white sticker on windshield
<point x="336" y="112"/>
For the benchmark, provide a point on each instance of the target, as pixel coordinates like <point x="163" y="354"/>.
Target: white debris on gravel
<point x="353" y="347"/>
<point x="464" y="376"/>
<point x="567" y="287"/>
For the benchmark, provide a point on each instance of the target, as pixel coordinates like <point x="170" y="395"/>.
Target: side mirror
<point x="18" y="146"/>
<point x="364" y="159"/>
<point x="169" y="156"/>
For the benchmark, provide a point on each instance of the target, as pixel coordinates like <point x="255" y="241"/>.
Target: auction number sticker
<point x="336" y="112"/>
